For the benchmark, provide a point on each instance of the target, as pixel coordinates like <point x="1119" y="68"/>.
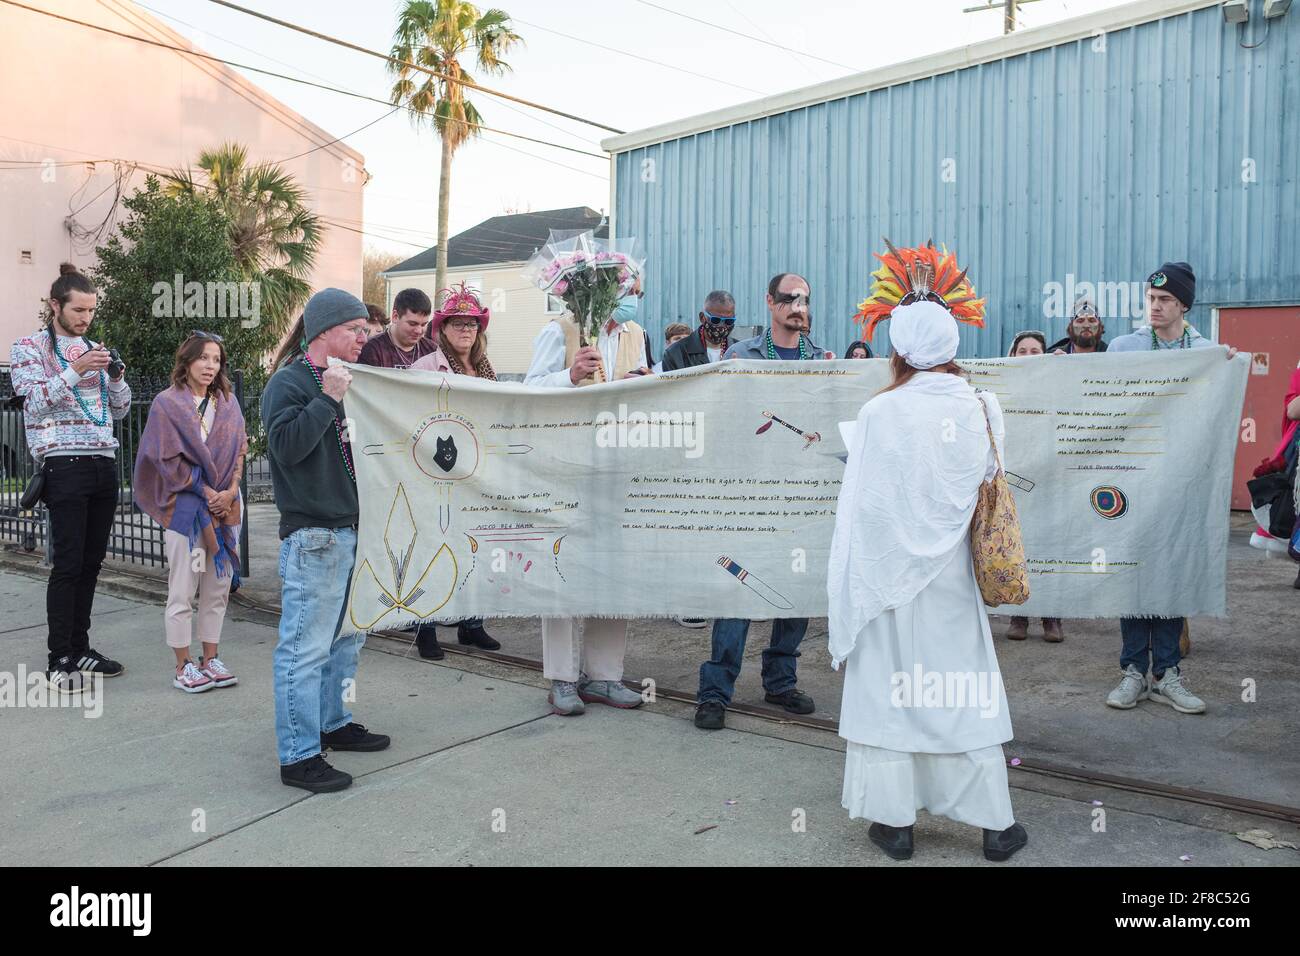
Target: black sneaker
<point x="1000" y="845"/>
<point x="426" y="642"/>
<point x="710" y="715"/>
<point x="93" y="662"/>
<point x="895" y="841"/>
<point x="353" y="737"/>
<point x="793" y="701"/>
<point x="315" y="774"/>
<point x="65" y="677"/>
<point x="477" y="637"/>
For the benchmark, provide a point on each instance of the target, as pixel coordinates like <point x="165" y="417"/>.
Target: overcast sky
<point x="808" y="42"/>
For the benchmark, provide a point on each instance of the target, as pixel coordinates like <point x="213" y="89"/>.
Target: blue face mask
<point x="626" y="309"/>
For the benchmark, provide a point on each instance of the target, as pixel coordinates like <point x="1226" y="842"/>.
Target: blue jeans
<point x="780" y="660"/>
<point x="314" y="664"/>
<point x="1160" y="634"/>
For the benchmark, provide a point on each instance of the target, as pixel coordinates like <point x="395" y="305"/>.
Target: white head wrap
<point x="924" y="334"/>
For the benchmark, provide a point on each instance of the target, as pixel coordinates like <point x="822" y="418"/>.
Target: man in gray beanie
<point x="316" y="493"/>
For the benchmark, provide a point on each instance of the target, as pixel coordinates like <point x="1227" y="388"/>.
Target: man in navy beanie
<point x="315" y="486"/>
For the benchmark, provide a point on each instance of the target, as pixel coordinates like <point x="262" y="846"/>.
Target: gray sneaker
<point x="1171" y="690"/>
<point x="564" y="699"/>
<point x="612" y="692"/>
<point x="1132" y="688"/>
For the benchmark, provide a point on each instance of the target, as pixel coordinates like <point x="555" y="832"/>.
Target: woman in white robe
<point x="924" y="710"/>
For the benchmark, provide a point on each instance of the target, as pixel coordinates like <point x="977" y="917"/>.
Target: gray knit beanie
<point x="328" y="308"/>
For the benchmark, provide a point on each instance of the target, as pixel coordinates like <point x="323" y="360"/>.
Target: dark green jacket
<point x="312" y="486"/>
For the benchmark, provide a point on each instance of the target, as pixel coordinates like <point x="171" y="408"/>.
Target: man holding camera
<point x="73" y="390"/>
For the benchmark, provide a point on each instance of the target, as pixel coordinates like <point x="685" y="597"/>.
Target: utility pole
<point x="1009" y="10"/>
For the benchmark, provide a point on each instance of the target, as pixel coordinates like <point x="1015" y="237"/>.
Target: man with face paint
<point x="707" y="343"/>
<point x="1084" y="333"/>
<point x="785" y="338"/>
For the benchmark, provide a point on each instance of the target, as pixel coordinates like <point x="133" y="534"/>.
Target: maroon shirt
<point x="382" y="352"/>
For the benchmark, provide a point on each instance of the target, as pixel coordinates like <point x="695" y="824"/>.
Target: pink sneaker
<point x="217" y="672"/>
<point x="191" y="680"/>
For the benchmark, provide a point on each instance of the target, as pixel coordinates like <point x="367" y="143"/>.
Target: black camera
<point x="116" y="366"/>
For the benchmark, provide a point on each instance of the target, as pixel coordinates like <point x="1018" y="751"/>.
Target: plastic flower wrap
<point x="588" y="274"/>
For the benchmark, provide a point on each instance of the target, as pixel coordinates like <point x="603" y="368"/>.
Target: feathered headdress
<point x="913" y="275"/>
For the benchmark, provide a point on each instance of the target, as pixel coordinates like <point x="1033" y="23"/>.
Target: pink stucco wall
<point x="72" y="95"/>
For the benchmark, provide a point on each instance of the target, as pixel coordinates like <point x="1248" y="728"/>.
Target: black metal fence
<point x="136" y="538"/>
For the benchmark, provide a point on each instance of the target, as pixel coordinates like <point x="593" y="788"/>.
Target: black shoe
<point x="315" y="774"/>
<point x="354" y="737"/>
<point x="710" y="715"/>
<point x="999" y="845"/>
<point x="476" y="637"/>
<point x="93" y="662"/>
<point x="895" y="841"/>
<point x="793" y="700"/>
<point x="426" y="642"/>
<point x="64" y="677"/>
<point x="1297" y="581"/>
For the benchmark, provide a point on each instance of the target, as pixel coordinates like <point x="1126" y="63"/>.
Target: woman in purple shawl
<point x="187" y="473"/>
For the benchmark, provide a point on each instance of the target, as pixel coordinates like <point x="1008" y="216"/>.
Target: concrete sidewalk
<point x="479" y="773"/>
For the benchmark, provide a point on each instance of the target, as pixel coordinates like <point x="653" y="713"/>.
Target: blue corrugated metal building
<point x="1089" y="150"/>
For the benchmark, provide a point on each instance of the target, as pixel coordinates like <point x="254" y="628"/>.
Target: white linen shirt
<point x="548" y="368"/>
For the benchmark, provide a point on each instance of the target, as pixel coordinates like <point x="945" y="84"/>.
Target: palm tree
<point x="274" y="235"/>
<point x="434" y="34"/>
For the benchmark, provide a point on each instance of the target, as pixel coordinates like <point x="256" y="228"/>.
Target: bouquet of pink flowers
<point x="588" y="274"/>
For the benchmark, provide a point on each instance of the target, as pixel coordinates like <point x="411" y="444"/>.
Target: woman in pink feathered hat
<point x="458" y="327"/>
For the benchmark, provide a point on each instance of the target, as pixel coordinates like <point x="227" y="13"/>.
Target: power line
<point x="468" y="84"/>
<point x="293" y="79"/>
<point x="338" y="139"/>
<point x="637" y="56"/>
<point x="747" y="36"/>
<point x="209" y="33"/>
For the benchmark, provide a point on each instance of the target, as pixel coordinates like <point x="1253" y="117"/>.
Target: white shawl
<point x="916" y="461"/>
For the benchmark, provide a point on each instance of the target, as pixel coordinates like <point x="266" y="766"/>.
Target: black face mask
<point x="715" y="334"/>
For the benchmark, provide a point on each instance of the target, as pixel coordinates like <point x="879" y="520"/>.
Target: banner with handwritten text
<point x="711" y="492"/>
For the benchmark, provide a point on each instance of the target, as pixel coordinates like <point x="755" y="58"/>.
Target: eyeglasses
<point x="463" y="326"/>
<point x="718" y="319"/>
<point x="210" y="336"/>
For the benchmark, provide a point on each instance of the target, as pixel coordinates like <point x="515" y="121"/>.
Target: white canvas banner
<point x="711" y="492"/>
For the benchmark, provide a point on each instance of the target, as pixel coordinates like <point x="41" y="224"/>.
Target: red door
<point x="1272" y="337"/>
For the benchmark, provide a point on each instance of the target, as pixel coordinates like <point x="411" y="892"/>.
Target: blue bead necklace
<point x="102" y="419"/>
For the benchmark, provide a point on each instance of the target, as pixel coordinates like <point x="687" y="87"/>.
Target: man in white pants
<point x="583" y="657"/>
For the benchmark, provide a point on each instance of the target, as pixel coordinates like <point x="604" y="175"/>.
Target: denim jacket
<point x="756" y="348"/>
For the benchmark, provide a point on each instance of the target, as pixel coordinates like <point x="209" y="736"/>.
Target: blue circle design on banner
<point x="1109" y="502"/>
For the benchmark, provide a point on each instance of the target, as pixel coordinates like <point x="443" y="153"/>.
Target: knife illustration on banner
<point x="756" y="585"/>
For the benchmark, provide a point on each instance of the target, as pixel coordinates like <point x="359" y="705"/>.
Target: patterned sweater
<point x="56" y="423"/>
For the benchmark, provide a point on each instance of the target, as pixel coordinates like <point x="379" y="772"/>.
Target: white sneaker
<point x="1171" y="690"/>
<point x="691" y="621"/>
<point x="192" y="680"/>
<point x="1132" y="688"/>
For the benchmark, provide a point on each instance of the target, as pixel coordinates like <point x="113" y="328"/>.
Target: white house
<point x="489" y="258"/>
